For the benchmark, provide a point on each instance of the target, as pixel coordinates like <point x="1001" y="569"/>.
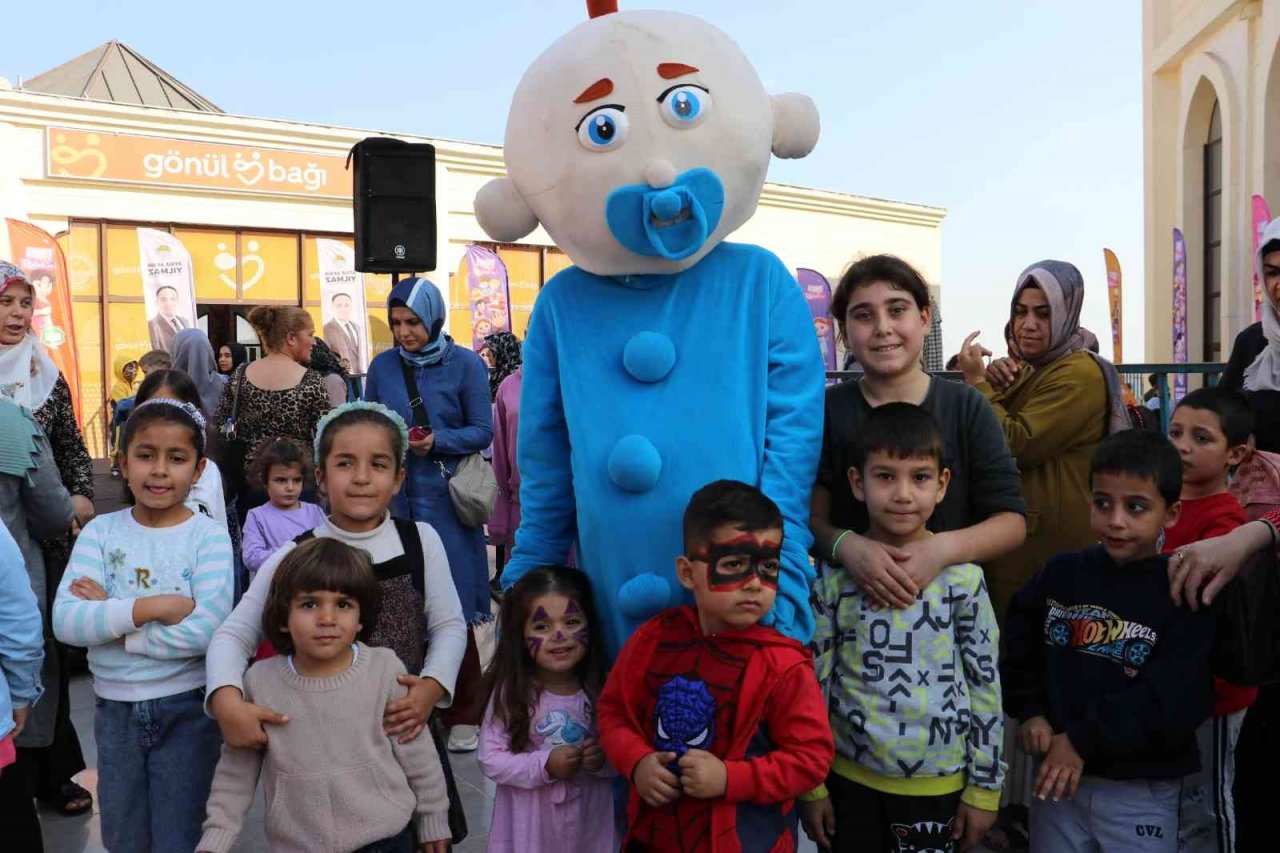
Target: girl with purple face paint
<point x="538" y="742"/>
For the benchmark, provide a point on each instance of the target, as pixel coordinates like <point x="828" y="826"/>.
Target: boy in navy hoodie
<point x="1108" y="677"/>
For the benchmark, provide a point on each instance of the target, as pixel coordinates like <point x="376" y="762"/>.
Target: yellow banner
<point x="1115" y="303"/>
<point x="171" y="162"/>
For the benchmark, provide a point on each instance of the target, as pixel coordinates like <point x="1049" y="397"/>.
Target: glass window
<point x="1211" y="239"/>
<point x="268" y="267"/>
<point x="213" y="260"/>
<point x="89" y="359"/>
<point x="524" y="280"/>
<point x="124" y="277"/>
<point x="81" y="248"/>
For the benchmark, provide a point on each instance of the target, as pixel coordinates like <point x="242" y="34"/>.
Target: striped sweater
<point x="131" y="663"/>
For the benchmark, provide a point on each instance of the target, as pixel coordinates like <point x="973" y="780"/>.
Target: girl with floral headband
<point x="146" y="587"/>
<point x="359" y="466"/>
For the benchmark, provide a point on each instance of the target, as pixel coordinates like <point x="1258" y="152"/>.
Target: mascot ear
<point x="795" y="125"/>
<point x="502" y="212"/>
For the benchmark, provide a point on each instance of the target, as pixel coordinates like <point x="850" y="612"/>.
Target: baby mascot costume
<point x="665" y="358"/>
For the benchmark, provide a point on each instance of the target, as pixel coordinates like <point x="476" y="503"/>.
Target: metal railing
<point x="1198" y="374"/>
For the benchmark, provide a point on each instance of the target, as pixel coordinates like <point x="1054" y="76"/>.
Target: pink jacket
<point x="506" y="414"/>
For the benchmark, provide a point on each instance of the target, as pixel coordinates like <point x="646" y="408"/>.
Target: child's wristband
<point x="845" y="533"/>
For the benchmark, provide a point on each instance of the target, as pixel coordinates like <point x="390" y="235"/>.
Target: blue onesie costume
<point x="638" y="390"/>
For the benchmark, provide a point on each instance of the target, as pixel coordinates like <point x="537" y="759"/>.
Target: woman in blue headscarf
<point x="453" y="383"/>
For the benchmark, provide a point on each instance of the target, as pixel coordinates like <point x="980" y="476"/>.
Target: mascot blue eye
<point x="685" y="106"/>
<point x="603" y="129"/>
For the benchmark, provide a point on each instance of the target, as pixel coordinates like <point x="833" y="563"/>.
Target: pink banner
<point x="1261" y="218"/>
<point x="817" y="292"/>
<point x="487" y="292"/>
<point x="1179" y="312"/>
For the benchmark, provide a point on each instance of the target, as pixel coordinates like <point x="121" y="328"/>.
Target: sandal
<point x="1010" y="833"/>
<point x="70" y="799"/>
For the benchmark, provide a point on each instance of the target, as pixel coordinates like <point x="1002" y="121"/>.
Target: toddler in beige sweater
<point x="334" y="781"/>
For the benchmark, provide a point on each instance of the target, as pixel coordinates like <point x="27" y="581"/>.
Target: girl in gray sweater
<point x="335" y="781"/>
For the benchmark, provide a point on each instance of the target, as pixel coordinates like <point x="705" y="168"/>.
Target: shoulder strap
<point x="411" y="542"/>
<point x="235" y="395"/>
<point x="420" y="418"/>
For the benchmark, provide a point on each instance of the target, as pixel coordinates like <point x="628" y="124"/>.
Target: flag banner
<point x="343" y="312"/>
<point x="487" y="295"/>
<point x="37" y="253"/>
<point x="1179" y="312"/>
<point x="1261" y="219"/>
<point x="1116" y="304"/>
<point x="817" y="292"/>
<point x="168" y="286"/>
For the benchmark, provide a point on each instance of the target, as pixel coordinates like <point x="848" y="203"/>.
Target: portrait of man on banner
<point x="342" y="334"/>
<point x="168" y="286"/>
<point x="342" y="304"/>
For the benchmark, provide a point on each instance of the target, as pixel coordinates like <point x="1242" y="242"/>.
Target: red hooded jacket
<point x="748" y="697"/>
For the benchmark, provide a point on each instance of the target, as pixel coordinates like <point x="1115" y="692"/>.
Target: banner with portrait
<point x="342" y="305"/>
<point x="817" y="292"/>
<point x="168" y="286"/>
<point x="37" y="253"/>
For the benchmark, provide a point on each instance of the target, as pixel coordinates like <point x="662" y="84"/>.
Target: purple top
<point x="534" y="812"/>
<point x="506" y="413"/>
<point x="268" y="527"/>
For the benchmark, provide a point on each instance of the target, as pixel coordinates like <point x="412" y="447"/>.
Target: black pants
<point x="18" y="810"/>
<point x="869" y="821"/>
<point x="1257" y="755"/>
<point x="401" y="842"/>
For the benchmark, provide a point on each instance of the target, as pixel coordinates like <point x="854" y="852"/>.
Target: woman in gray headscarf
<point x="1056" y="399"/>
<point x="193" y="355"/>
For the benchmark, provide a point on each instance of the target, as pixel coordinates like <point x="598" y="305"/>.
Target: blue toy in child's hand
<point x="684" y="718"/>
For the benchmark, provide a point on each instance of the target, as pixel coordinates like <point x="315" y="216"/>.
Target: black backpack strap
<point x="411" y="542"/>
<point x="420" y="418"/>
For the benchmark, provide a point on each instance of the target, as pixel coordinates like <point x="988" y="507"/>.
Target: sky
<point x="1023" y="118"/>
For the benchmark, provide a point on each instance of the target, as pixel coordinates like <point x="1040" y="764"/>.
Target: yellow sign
<point x="171" y="162"/>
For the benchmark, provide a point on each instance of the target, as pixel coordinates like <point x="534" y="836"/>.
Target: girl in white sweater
<point x="359" y="451"/>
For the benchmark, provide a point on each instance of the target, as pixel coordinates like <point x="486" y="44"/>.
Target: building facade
<point x="1211" y="120"/>
<point x="92" y="160"/>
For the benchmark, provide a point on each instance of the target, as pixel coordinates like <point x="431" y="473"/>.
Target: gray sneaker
<point x="464" y="738"/>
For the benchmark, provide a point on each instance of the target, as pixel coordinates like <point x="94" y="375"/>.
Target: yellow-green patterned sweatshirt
<point x="914" y="695"/>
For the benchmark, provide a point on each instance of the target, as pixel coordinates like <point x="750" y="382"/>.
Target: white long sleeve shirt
<point x="234" y="643"/>
<point x="129" y="662"/>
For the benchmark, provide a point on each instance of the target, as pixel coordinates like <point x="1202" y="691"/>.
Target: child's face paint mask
<point x="732" y="564"/>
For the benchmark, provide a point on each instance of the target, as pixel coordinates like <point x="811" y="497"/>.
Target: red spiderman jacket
<point x="748" y="697"/>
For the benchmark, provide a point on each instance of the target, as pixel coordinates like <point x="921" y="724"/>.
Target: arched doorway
<point x="1271" y="133"/>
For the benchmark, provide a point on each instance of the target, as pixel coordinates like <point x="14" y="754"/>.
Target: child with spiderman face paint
<point x="707" y="710"/>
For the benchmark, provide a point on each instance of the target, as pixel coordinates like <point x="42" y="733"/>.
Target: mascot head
<point x="639" y="140"/>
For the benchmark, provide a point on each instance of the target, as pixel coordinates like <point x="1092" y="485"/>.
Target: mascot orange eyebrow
<point x="665" y="358"/>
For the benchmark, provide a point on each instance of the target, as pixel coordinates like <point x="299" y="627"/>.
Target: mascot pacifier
<point x="665" y="358"/>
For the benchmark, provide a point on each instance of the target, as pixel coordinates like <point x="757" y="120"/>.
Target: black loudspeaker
<point x="395" y="205"/>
